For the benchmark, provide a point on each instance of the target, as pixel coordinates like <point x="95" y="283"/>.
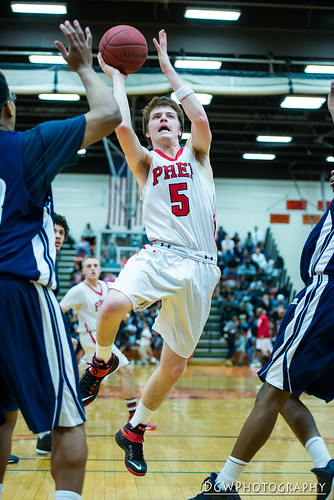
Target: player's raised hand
<point x="79" y="52"/>
<point x="109" y="70"/>
<point x="330" y="100"/>
<point x="161" y="47"/>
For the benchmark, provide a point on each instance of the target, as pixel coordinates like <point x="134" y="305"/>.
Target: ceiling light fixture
<point x="196" y="64"/>
<point x="59" y="97"/>
<point x="330" y="159"/>
<point x="302" y="102"/>
<point x="46" y="59"/>
<point x="258" y="156"/>
<point x="211" y="14"/>
<point x="273" y="138"/>
<point x="82" y="151"/>
<point x="320" y="68"/>
<point x="38" y="8"/>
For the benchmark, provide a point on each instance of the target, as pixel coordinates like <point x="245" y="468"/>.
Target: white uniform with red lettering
<point x="87" y="300"/>
<point x="180" y="268"/>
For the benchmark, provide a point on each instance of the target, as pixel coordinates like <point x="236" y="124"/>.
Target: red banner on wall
<point x="320" y="205"/>
<point x="296" y="204"/>
<point x="279" y="218"/>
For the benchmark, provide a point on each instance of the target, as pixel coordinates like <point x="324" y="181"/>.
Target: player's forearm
<point x="122" y="99"/>
<point x="99" y="95"/>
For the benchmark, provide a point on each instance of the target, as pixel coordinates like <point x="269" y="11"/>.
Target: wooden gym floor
<point x="197" y="427"/>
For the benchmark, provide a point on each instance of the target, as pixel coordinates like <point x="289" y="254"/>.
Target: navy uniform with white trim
<point x="34" y="343"/>
<point x="303" y="355"/>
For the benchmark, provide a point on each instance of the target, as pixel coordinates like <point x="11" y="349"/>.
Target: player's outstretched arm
<point x="136" y="155"/>
<point x="104" y="114"/>
<point x="200" y="129"/>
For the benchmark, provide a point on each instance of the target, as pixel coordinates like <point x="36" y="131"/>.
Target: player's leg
<point x="131" y="436"/>
<point x="112" y="311"/>
<point x="68" y="459"/>
<point x="104" y="362"/>
<point x="128" y="388"/>
<point x="301" y="421"/>
<point x="6" y="432"/>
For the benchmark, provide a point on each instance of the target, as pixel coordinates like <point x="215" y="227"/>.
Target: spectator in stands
<point x="249" y="244"/>
<point x="220" y="236"/>
<point x="227" y="244"/>
<point x="257" y="236"/>
<point x="88" y="234"/>
<point x="258" y="258"/>
<point x="229" y="331"/>
<point x="240" y="354"/>
<point x="264" y="345"/>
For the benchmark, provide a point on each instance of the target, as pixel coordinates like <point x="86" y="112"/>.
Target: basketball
<point x="124" y="48"/>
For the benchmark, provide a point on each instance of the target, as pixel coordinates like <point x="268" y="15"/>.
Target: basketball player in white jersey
<point x="179" y="268"/>
<point x="86" y="298"/>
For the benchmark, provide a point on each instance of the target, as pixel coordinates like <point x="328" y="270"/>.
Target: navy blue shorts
<point x="303" y="355"/>
<point x="38" y="370"/>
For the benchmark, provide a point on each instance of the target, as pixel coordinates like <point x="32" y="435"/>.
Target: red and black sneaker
<point x="93" y="375"/>
<point x="131" y="440"/>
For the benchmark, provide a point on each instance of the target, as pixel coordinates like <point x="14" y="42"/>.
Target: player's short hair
<point x="161" y="101"/>
<point x="89" y="257"/>
<point x="60" y="220"/>
<point x="4" y="89"/>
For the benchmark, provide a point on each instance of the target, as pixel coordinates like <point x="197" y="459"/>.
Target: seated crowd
<point x="249" y="296"/>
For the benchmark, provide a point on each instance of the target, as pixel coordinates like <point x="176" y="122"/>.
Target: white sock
<point x="318" y="451"/>
<point x="103" y="352"/>
<point x="67" y="495"/>
<point x="142" y="415"/>
<point x="231" y="472"/>
<point x="1" y="486"/>
<point x="42" y="434"/>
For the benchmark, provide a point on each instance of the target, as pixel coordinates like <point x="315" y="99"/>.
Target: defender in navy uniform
<point x="302" y="361"/>
<point x="38" y="372"/>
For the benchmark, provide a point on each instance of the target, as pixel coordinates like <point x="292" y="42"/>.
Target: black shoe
<point x="43" y="446"/>
<point x="13" y="459"/>
<point x="131" y="440"/>
<point x="325" y="476"/>
<point x="93" y="376"/>
<point x="211" y="492"/>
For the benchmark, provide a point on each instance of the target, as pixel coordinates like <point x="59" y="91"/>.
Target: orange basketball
<point x="124" y="48"/>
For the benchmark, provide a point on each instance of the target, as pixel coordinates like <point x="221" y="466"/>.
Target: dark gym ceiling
<point x="271" y="38"/>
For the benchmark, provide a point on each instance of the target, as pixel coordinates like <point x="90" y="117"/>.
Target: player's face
<point x="60" y="236"/>
<point x="91" y="269"/>
<point x="163" y="124"/>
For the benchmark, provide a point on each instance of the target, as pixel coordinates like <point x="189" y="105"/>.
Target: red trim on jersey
<point x="88" y="330"/>
<point x="100" y="292"/>
<point x="179" y="153"/>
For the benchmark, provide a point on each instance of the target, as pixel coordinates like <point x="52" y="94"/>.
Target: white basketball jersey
<point x="179" y="202"/>
<point x="86" y="300"/>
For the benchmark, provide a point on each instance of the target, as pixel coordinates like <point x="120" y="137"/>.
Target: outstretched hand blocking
<point x="79" y="53"/>
<point x="330" y="100"/>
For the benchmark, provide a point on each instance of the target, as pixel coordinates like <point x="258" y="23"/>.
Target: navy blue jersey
<point x="27" y="242"/>
<point x="318" y="252"/>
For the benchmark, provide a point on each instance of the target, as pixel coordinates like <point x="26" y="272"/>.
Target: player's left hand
<point x="161" y="47"/>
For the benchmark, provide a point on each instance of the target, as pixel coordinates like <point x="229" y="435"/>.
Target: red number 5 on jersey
<point x="180" y="202"/>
